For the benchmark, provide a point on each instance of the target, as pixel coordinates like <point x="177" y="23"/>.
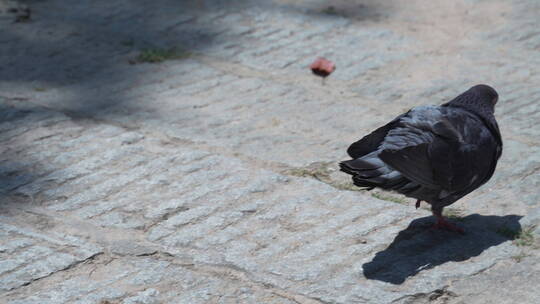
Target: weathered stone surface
<point x="212" y="178"/>
<point x="147" y="280"/>
<point x="28" y="255"/>
<point x="501" y="283"/>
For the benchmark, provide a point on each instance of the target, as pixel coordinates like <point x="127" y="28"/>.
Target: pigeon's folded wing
<point x="371" y="142"/>
<point x="413" y="162"/>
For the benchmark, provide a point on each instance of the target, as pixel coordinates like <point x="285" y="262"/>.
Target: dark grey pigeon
<point x="436" y="154"/>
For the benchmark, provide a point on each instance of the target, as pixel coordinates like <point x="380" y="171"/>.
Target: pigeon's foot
<point x="442" y="223"/>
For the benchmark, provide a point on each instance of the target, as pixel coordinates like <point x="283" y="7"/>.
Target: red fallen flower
<point x="322" y="67"/>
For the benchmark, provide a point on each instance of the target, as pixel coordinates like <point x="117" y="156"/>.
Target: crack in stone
<point x="483" y="270"/>
<point x="430" y="297"/>
<point x="240" y="274"/>
<point x="69" y="267"/>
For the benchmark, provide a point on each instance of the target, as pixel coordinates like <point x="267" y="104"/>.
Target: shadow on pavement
<point x="71" y="57"/>
<point x="419" y="248"/>
<point x="14" y="168"/>
<point x="81" y="48"/>
<point x="354" y="10"/>
<point x="74" y="58"/>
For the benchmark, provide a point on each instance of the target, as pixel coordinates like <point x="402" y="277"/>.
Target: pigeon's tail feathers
<point x="354" y="166"/>
<point x="370" y="171"/>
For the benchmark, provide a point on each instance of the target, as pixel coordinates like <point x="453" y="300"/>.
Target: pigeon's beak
<point x="494" y="101"/>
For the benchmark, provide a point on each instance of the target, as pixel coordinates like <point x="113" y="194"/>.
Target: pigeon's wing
<point x="371" y="142"/>
<point x="454" y="156"/>
<point x="413" y="162"/>
<point x="471" y="158"/>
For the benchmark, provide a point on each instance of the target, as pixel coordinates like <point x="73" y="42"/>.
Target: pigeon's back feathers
<point x="432" y="153"/>
<point x="371" y="142"/>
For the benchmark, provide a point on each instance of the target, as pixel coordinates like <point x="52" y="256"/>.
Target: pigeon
<point x="436" y="154"/>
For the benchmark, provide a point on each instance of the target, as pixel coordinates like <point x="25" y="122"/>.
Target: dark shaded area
<point x="419" y="248"/>
<point x="82" y="51"/>
<point x="81" y="45"/>
<point x="75" y="58"/>
<point x="17" y="166"/>
<point x="353" y="10"/>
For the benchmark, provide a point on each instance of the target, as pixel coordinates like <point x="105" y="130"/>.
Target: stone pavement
<point x="211" y="178"/>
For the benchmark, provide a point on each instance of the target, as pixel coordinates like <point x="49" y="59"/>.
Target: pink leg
<point x="442" y="223"/>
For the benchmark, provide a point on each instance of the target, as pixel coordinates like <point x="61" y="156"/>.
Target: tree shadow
<point x="74" y="58"/>
<point x="353" y="10"/>
<point x="79" y="58"/>
<point x="17" y="166"/>
<point x="419" y="248"/>
<point x="86" y="49"/>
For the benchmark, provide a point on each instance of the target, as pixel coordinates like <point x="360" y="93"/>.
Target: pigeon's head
<point x="481" y="99"/>
<point x="485" y="93"/>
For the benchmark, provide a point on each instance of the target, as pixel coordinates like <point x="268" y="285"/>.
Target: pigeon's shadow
<point x="419" y="248"/>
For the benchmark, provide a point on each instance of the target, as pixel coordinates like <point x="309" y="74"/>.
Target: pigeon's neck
<point x="482" y="110"/>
